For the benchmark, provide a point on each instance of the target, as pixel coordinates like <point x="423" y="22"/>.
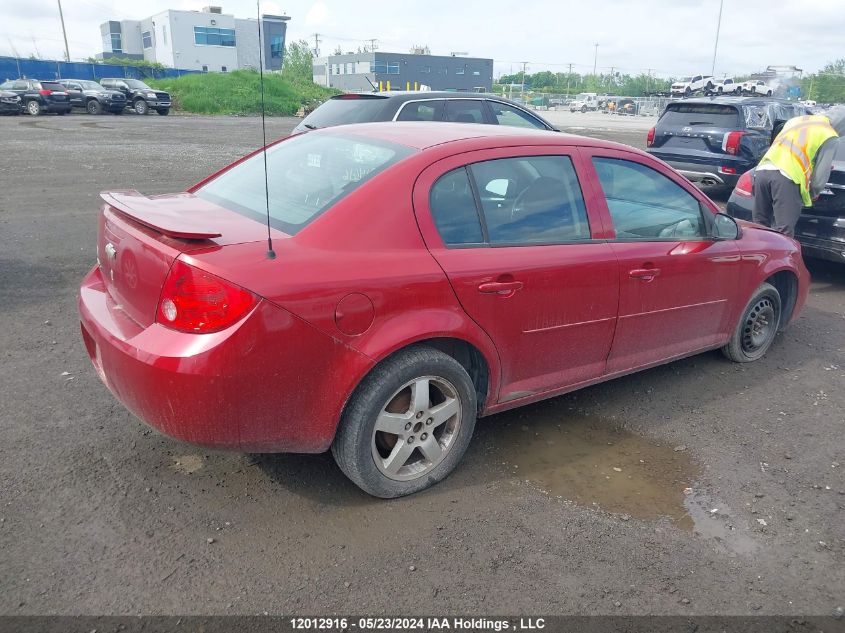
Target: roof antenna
<point x="271" y="254"/>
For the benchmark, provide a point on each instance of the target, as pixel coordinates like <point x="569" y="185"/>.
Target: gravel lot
<point x="574" y="505"/>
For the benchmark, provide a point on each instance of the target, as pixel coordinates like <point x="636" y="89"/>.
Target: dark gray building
<point x="403" y="71"/>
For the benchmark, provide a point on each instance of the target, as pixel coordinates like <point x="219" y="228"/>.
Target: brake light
<point x="45" y="93"/>
<point x="727" y="170"/>
<point x="730" y="144"/>
<point x="195" y="301"/>
<point x="649" y="139"/>
<point x="744" y="186"/>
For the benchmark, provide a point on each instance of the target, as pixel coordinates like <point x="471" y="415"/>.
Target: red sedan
<point x="424" y="275"/>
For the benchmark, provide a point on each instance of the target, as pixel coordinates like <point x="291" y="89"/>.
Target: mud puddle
<point x="592" y="462"/>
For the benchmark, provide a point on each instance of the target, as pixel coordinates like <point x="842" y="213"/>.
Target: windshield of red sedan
<point x="306" y="175"/>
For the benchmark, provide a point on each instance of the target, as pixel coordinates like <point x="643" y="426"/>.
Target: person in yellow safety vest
<point x="795" y="169"/>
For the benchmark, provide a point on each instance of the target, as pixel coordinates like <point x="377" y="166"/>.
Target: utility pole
<point x="595" y="59"/>
<point x="716" y="45"/>
<point x="316" y="44"/>
<point x="648" y="81"/>
<point x="568" y="79"/>
<point x="64" y="32"/>
<point x="522" y="92"/>
<point x="373" y="44"/>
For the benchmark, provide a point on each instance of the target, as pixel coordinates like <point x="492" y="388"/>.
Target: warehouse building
<point x="361" y="72"/>
<point x="207" y="40"/>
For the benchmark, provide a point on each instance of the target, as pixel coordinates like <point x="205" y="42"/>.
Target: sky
<point x="670" y="38"/>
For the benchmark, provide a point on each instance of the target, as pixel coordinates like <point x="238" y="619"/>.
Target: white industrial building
<point x="207" y="40"/>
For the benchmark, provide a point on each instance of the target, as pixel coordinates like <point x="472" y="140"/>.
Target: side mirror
<point x="725" y="227"/>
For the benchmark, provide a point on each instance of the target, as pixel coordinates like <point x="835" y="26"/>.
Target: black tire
<point x="687" y="91"/>
<point x="140" y="106"/>
<point x="94" y="107"/>
<point x="163" y="111"/>
<point x="583" y="109"/>
<point x="33" y="107"/>
<point x="355" y="445"/>
<point x="757" y="327"/>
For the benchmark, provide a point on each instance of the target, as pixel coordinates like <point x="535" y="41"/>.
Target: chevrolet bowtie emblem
<point x="111" y="251"/>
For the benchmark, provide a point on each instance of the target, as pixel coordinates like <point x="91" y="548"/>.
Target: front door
<point x="675" y="281"/>
<point x="526" y="261"/>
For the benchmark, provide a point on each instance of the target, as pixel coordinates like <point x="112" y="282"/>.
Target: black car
<point x="39" y="96"/>
<point x="10" y="103"/>
<point x="139" y="96"/>
<point x="821" y="227"/>
<point x="420" y="106"/>
<point x="90" y="95"/>
<point x="714" y="140"/>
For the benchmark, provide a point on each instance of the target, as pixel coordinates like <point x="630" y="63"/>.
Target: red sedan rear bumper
<point x="270" y="383"/>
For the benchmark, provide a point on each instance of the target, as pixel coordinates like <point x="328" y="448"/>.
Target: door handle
<point x="646" y="274"/>
<point x="504" y="288"/>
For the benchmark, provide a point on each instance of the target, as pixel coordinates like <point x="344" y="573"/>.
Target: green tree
<point x="298" y="62"/>
<point x="828" y="85"/>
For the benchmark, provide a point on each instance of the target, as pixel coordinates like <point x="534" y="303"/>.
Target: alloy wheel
<point x="416" y="428"/>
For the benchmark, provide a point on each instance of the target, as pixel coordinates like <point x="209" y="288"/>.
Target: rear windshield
<point x="52" y="85"/>
<point x="344" y="111"/>
<point x="708" y="114"/>
<point x="306" y="175"/>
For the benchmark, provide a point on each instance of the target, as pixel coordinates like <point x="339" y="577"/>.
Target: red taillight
<point x="45" y="93"/>
<point x="649" y="139"/>
<point x="195" y="301"/>
<point x="730" y="144"/>
<point x="727" y="170"/>
<point x="744" y="185"/>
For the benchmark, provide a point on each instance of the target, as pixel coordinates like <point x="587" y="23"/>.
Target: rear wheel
<point x="141" y="107"/>
<point x="583" y="108"/>
<point x="33" y="107"/>
<point x="94" y="107"/>
<point x="408" y="424"/>
<point x="757" y="327"/>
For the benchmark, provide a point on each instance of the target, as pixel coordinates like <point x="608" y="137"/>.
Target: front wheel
<point x="33" y="107"/>
<point x="94" y="107"/>
<point x="583" y="109"/>
<point x="141" y="107"/>
<point x="408" y="423"/>
<point x="163" y="111"/>
<point x="757" y="327"/>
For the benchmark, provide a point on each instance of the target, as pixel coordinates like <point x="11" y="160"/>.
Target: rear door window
<point x="453" y="209"/>
<point x="531" y="200"/>
<point x="346" y="110"/>
<point x="422" y="111"/>
<point x="52" y="85"/>
<point x="465" y="111"/>
<point x="700" y="114"/>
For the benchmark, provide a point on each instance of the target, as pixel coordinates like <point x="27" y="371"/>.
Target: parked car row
<point x="113" y="95"/>
<point x="709" y="85"/>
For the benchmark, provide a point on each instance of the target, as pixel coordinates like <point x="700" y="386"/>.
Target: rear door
<point x="526" y="258"/>
<point x="75" y="95"/>
<point x="676" y="283"/>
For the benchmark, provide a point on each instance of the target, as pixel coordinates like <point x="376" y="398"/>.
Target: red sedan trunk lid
<point x="139" y="237"/>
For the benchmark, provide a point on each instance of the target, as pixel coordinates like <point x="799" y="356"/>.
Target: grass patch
<point x="239" y="92"/>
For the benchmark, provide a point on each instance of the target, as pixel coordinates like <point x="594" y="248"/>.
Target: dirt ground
<point x="574" y="505"/>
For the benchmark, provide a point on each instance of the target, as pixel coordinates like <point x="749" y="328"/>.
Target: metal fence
<point x="642" y="106"/>
<point x="17" y="67"/>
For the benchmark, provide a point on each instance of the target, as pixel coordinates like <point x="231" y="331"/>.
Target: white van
<point x="585" y="101"/>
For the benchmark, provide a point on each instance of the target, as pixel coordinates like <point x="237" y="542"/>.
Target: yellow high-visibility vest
<point x="794" y="149"/>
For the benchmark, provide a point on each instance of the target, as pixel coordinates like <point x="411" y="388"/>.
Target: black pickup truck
<point x="139" y="96"/>
<point x="93" y="97"/>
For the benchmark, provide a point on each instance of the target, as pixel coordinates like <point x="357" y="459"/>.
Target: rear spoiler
<point x="160" y="214"/>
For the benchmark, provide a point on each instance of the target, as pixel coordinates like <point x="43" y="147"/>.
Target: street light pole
<point x="64" y="32"/>
<point x="716" y="45"/>
<point x="522" y="92"/>
<point x="595" y="59"/>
